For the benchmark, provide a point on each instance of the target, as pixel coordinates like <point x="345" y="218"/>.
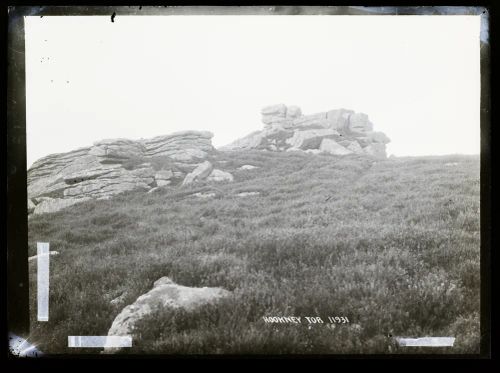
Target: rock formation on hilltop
<point x="114" y="166"/>
<point x="110" y="167"/>
<point x="337" y="132"/>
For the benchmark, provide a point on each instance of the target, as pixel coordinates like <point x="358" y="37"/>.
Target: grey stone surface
<point x="287" y="129"/>
<point x="376" y="150"/>
<point x="31" y="206"/>
<point x="199" y="173"/>
<point x="332" y="147"/>
<point x="359" y="124"/>
<point x="300" y="136"/>
<point x="379" y="137"/>
<point x="55" y="204"/>
<point x="293" y="112"/>
<point x="219" y="175"/>
<point x="204" y="195"/>
<point x="247" y="167"/>
<point x="112" y="166"/>
<point x="166" y="295"/>
<point x="274" y="110"/>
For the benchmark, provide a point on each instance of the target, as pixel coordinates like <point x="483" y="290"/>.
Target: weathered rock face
<point x="164" y="177"/>
<point x="114" y="166"/>
<point x="48" y="204"/>
<point x="287" y="129"/>
<point x="332" y="147"/>
<point x="115" y="150"/>
<point x="165" y="294"/>
<point x="303" y="139"/>
<point x="181" y="146"/>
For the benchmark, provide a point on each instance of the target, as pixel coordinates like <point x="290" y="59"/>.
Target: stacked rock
<point x="280" y="115"/>
<point x="181" y="146"/>
<point x="338" y="132"/>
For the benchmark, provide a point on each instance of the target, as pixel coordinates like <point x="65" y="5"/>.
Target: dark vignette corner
<point x="17" y="232"/>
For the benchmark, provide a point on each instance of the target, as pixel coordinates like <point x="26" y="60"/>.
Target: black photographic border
<point x="17" y="223"/>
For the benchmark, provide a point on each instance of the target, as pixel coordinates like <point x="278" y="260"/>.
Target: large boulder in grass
<point x="247" y="167"/>
<point x="219" y="175"/>
<point x="199" y="173"/>
<point x="165" y="295"/>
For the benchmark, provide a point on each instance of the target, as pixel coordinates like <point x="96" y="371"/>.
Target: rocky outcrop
<point x="166" y="295"/>
<point x="114" y="166"/>
<point x="337" y="132"/>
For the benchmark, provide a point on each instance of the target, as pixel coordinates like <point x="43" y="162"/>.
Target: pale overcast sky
<point x="417" y="77"/>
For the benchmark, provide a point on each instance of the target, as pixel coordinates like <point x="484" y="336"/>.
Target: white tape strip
<point x="42" y="251"/>
<point x="427" y="342"/>
<point x="108" y="341"/>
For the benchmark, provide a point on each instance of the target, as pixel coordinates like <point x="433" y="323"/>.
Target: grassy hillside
<point x="393" y="245"/>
